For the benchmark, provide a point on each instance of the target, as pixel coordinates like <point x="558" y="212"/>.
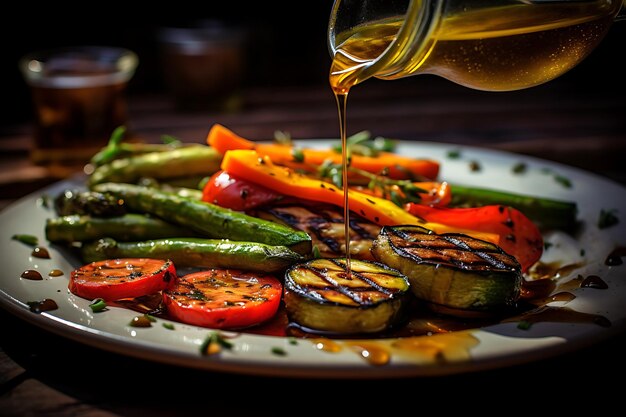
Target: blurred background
<point x="285" y="42"/>
<point x="285" y="45"/>
<point x="578" y="119"/>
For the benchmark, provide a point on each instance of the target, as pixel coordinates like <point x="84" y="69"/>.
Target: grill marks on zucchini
<point x="329" y="282"/>
<point x="457" y="250"/>
<point x="321" y="295"/>
<point x="455" y="273"/>
<point x="325" y="225"/>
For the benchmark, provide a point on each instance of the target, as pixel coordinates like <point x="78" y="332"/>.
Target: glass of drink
<point x="203" y="65"/>
<point x="78" y="97"/>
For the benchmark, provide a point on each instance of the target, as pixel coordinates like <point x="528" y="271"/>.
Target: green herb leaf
<point x="293" y="341"/>
<point x="168" y="326"/>
<point x="279" y="351"/>
<point x="564" y="181"/>
<point x="454" y="154"/>
<point x="283" y="138"/>
<point x="171" y="140"/>
<point x="519" y="168"/>
<point x="524" y="325"/>
<point x="98" y="305"/>
<point x="607" y="218"/>
<point x="26" y="239"/>
<point x="213" y="343"/>
<point x="297" y="154"/>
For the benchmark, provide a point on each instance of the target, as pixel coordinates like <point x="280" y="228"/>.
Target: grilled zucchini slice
<point x="456" y="273"/>
<point x="319" y="295"/>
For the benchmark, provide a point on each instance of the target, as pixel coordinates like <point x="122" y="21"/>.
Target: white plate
<point x="489" y="347"/>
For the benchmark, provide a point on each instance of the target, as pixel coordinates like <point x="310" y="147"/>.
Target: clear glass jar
<point x="481" y="44"/>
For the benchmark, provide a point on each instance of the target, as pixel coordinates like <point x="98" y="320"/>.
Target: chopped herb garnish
<point x="283" y="138"/>
<point x="98" y="305"/>
<point x="564" y="181"/>
<point x="297" y="154"/>
<point x="519" y="168"/>
<point x="475" y="166"/>
<point x="279" y="351"/>
<point x="454" y="154"/>
<point x="151" y="318"/>
<point x="170" y="140"/>
<point x="293" y="341"/>
<point x="524" y="325"/>
<point x="582" y="252"/>
<point x="316" y="252"/>
<point x="169" y="326"/>
<point x="607" y="218"/>
<point x="26" y="239"/>
<point x="214" y="343"/>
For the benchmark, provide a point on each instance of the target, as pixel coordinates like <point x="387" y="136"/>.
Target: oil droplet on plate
<point x="32" y="275"/>
<point x="594" y="281"/>
<point x="44" y="305"/>
<point x="374" y="353"/>
<point x="40" y="252"/>
<point x="326" y="345"/>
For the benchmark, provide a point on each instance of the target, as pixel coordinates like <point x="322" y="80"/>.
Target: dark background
<point x="286" y="43"/>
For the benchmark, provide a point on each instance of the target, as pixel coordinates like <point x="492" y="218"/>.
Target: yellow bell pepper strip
<point x="223" y="139"/>
<point x="251" y="166"/>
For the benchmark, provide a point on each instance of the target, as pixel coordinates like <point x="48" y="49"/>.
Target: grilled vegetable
<point x="180" y="162"/>
<point x="325" y="225"/>
<point x="319" y="295"/>
<point x="250" y="166"/>
<point x="129" y="227"/>
<point x="88" y="202"/>
<point x="208" y="219"/>
<point x="201" y="253"/>
<point x="544" y="212"/>
<point x="519" y="236"/>
<point x="222" y="299"/>
<point x="113" y="279"/>
<point x="455" y="273"/>
<point x="397" y="166"/>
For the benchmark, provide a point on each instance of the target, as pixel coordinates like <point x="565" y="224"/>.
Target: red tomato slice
<point x="114" y="279"/>
<point x="221" y="299"/>
<point x="228" y="191"/>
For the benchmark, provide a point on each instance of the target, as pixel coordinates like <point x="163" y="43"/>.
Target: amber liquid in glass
<point x="493" y="48"/>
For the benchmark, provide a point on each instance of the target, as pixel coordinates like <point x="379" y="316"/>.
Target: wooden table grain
<point x="45" y="374"/>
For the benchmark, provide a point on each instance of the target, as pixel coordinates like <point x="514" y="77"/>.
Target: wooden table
<point x="44" y="374"/>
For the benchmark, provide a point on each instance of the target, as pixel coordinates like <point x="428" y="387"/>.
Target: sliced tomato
<point x="226" y="190"/>
<point x="223" y="299"/>
<point x="519" y="236"/>
<point x="114" y="279"/>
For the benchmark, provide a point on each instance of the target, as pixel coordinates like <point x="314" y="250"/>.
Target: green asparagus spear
<point x="129" y="227"/>
<point x="200" y="253"/>
<point x="548" y="214"/>
<point x="207" y="219"/>
<point x="180" y="162"/>
<point x="87" y="202"/>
